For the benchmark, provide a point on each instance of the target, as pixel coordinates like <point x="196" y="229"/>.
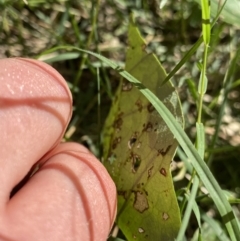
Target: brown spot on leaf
<point x="166" y="192"/>
<point x="163" y="172"/>
<point x="147" y="127"/>
<point x="118" y="122"/>
<point x="139" y="105"/>
<point x="116" y="141"/>
<point x="131" y="142"/>
<point x="156" y="127"/>
<point x="149" y="172"/>
<point x="165" y="216"/>
<point x="140" y="202"/>
<point x="150" y="108"/>
<point x="122" y="193"/>
<point x="136" y="161"/>
<point x="164" y="152"/>
<point x="126" y="86"/>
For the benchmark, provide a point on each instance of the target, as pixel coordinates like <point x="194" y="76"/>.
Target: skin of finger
<point x="35" y="108"/>
<point x="71" y="197"/>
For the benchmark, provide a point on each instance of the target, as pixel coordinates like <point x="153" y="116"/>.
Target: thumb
<point x="71" y="196"/>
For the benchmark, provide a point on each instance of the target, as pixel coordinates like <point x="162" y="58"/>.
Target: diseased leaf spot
<point x="163" y="172"/>
<point x="139" y="105"/>
<point x="136" y="161"/>
<point x="165" y="216"/>
<point x="156" y="128"/>
<point x="116" y="141"/>
<point x="140" y="202"/>
<point x="118" y="122"/>
<point x="126" y="86"/>
<point x="164" y="152"/>
<point x="166" y="192"/>
<point x="148" y="127"/>
<point x="123" y="193"/>
<point x="141" y="230"/>
<point x="131" y="142"/>
<point x="150" y="108"/>
<point x="149" y="172"/>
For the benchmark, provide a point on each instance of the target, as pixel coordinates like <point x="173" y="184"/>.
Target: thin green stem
<point x="95" y="8"/>
<point x="200" y="143"/>
<point x="202" y="84"/>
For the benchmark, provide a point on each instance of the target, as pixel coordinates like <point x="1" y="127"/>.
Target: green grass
<point x="210" y="142"/>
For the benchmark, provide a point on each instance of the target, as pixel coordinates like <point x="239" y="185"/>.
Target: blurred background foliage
<point x="30" y="28"/>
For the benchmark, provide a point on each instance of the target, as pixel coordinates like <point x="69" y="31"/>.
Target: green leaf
<point x="230" y="13"/>
<point x="61" y="57"/>
<point x="200" y="139"/>
<point x="139" y="147"/>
